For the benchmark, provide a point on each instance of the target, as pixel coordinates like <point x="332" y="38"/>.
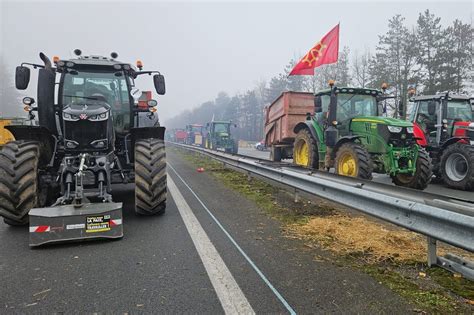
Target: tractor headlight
<point x="394" y="129"/>
<point x="409" y="129"/>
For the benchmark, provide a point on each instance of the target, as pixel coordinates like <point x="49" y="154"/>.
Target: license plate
<point x="98" y="223"/>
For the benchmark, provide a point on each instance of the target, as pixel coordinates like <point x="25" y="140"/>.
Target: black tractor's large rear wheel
<point x="457" y="166"/>
<point x="19" y="184"/>
<point x="422" y="176"/>
<point x="150" y="177"/>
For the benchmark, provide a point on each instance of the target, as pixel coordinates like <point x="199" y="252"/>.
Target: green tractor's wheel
<point x="305" y="150"/>
<point x="19" y="185"/>
<point x="422" y="176"/>
<point x="457" y="166"/>
<point x="353" y="160"/>
<point x="150" y="177"/>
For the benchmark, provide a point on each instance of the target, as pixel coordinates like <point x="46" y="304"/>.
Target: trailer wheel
<point x="150" y="177"/>
<point x="275" y="154"/>
<point x="423" y="173"/>
<point x="353" y="160"/>
<point x="457" y="166"/>
<point x="305" y="150"/>
<point x="19" y="187"/>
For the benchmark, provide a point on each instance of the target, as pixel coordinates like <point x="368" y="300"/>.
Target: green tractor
<point x="348" y="133"/>
<point x="219" y="137"/>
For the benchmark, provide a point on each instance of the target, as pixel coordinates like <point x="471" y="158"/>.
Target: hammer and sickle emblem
<point x="314" y="54"/>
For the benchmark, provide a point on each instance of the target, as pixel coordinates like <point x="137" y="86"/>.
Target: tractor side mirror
<point x="22" y="77"/>
<point x="159" y="81"/>
<point x="235" y="125"/>
<point x="318" y="104"/>
<point x="431" y="108"/>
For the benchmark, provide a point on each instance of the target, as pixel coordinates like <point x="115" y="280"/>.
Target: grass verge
<point x="393" y="256"/>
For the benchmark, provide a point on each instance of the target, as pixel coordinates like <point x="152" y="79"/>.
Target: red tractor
<point x="443" y="124"/>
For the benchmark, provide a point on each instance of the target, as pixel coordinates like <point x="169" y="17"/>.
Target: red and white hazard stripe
<point x="40" y="229"/>
<point x="115" y="222"/>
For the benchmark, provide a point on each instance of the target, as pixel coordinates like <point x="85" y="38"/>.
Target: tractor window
<point x="352" y="105"/>
<point x="221" y="127"/>
<point x="459" y="110"/>
<point x="325" y="102"/>
<point x="112" y="86"/>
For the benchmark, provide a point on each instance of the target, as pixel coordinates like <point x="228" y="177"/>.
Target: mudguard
<point x="307" y="124"/>
<point x="36" y="133"/>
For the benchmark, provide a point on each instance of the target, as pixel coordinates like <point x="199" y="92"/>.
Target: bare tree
<point x="360" y="68"/>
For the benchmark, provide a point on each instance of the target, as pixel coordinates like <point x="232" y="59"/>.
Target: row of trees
<point x="427" y="57"/>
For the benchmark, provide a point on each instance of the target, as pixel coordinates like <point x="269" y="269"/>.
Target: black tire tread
<point x="423" y="173"/>
<point x="18" y="180"/>
<point x="150" y="177"/>
<point x="468" y="151"/>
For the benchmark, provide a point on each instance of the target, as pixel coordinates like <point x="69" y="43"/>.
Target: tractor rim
<point x="302" y="153"/>
<point x="347" y="165"/>
<point x="456" y="167"/>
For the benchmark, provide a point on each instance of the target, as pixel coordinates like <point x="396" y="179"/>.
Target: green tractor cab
<point x="348" y="133"/>
<point x="219" y="136"/>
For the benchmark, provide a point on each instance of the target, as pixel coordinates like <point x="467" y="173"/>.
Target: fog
<point x="202" y="48"/>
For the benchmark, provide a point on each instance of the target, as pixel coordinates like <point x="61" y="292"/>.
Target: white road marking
<point x="234" y="242"/>
<point x="230" y="295"/>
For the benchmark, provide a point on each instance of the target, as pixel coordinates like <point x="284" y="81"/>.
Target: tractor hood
<point x="223" y="134"/>
<point x="383" y="121"/>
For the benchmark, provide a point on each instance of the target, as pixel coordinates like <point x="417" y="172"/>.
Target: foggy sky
<point x="202" y="48"/>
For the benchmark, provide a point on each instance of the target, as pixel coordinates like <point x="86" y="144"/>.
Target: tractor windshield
<point x="459" y="110"/>
<point x="221" y="127"/>
<point x="196" y="128"/>
<point x="111" y="87"/>
<point x="352" y="105"/>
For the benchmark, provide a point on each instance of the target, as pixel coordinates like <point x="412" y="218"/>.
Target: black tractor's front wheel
<point x="457" y="166"/>
<point x="150" y="177"/>
<point x="422" y="176"/>
<point x="19" y="184"/>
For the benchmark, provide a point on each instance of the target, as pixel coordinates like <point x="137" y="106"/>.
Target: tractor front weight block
<point x="68" y="223"/>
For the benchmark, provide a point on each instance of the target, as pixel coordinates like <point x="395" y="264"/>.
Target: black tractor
<point x="59" y="174"/>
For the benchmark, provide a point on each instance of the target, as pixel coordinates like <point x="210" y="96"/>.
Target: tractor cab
<point x="195" y="134"/>
<point x="438" y="118"/>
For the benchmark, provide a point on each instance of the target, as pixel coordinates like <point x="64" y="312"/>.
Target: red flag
<point x="324" y="52"/>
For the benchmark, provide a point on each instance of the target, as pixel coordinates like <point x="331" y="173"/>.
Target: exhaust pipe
<point x="47" y="62"/>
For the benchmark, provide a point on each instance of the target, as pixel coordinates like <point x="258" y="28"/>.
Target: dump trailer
<point x="195" y="134"/>
<point x="219" y="136"/>
<point x="88" y="137"/>
<point x="281" y="117"/>
<point x="444" y="125"/>
<point x="180" y="135"/>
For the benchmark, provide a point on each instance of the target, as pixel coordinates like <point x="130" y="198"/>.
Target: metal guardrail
<point x="441" y="219"/>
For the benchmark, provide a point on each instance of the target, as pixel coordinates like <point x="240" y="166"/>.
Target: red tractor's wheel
<point x="457" y="166"/>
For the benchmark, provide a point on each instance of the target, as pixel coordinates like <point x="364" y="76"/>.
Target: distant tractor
<point x="59" y="175"/>
<point x="348" y="133"/>
<point x="443" y="124"/>
<point x="219" y="136"/>
<point x="195" y="134"/>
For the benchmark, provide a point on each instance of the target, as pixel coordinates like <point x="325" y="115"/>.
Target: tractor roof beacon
<point x="443" y="124"/>
<point x="88" y="137"/>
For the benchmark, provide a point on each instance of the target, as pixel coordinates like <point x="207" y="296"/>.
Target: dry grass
<point x="364" y="238"/>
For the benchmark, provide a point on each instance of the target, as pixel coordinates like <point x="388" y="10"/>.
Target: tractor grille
<point x="399" y="139"/>
<point x="84" y="132"/>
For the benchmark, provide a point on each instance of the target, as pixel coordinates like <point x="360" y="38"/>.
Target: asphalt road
<point x="435" y="188"/>
<point x="212" y="251"/>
